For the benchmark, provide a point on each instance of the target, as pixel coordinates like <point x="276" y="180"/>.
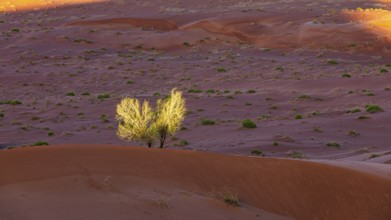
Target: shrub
<point x="247" y="123"/>
<point x="40" y="143"/>
<point x="373" y="108"/>
<point x="231" y="199"/>
<point x="170" y="114"/>
<point x="10" y="102"/>
<point x="135" y="121"/>
<point x="257" y="152"/>
<point x="144" y="125"/>
<point x="298" y="116"/>
<point x="221" y="70"/>
<point x="334" y="145"/>
<point x="70" y="94"/>
<point x="103" y="95"/>
<point x="206" y="121"/>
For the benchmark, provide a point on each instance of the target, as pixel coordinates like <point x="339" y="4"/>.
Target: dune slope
<point x="94" y="177"/>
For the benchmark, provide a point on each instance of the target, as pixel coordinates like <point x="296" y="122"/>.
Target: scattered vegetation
<point x="206" y="121"/>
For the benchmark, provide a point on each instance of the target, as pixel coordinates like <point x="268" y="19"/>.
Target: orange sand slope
<point x="101" y="182"/>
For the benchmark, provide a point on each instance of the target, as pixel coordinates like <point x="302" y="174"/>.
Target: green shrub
<point x="206" y="121"/>
<point x="40" y="143"/>
<point x="334" y="145"/>
<point x="70" y="94"/>
<point x="247" y="123"/>
<point x="221" y="69"/>
<point x="231" y="199"/>
<point x="103" y="96"/>
<point x="257" y="152"/>
<point x="373" y="108"/>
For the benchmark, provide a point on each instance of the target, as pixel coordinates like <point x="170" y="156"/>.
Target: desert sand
<point x="303" y="71"/>
<point x="108" y="182"/>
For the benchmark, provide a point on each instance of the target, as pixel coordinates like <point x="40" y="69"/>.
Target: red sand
<point x="297" y="189"/>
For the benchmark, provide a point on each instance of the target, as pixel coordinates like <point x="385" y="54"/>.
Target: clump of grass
<point x="374" y="156"/>
<point x="85" y="93"/>
<point x="332" y="62"/>
<point x="40" y="143"/>
<point x="183" y="143"/>
<point x="298" y="116"/>
<point x="206" y="121"/>
<point x="247" y="123"/>
<point x="11" y="102"/>
<point x="251" y="91"/>
<point x="50" y="133"/>
<point x="1" y="115"/>
<point x="194" y="91"/>
<point x="231" y="199"/>
<point x="257" y="152"/>
<point x="363" y="117"/>
<point x="104" y="118"/>
<point x="355" y="110"/>
<point x="103" y="95"/>
<point x="334" y="145"/>
<point x="70" y="94"/>
<point x="353" y="133"/>
<point x="373" y="108"/>
<point x="346" y="75"/>
<point x="221" y="70"/>
<point x="296" y="155"/>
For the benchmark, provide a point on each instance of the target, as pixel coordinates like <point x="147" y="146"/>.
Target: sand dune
<point x="267" y="30"/>
<point x="97" y="181"/>
<point x="136" y="22"/>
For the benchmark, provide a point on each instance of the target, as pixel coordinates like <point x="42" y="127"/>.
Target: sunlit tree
<point x="170" y="113"/>
<point x="143" y="125"/>
<point x="136" y="122"/>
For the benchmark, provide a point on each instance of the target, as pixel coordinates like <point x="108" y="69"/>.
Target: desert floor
<point x="304" y="71"/>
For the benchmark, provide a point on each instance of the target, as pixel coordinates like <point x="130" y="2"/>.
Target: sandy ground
<point x="106" y="182"/>
<point x="295" y="58"/>
<point x="303" y="70"/>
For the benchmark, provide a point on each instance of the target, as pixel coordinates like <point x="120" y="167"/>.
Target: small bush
<point x="10" y="102"/>
<point x="50" y="133"/>
<point x="206" y="121"/>
<point x="257" y="152"/>
<point x="247" y="123"/>
<point x="298" y="116"/>
<point x="70" y="94"/>
<point x="373" y="108"/>
<point x="231" y="199"/>
<point x="221" y="70"/>
<point x="85" y="93"/>
<point x="334" y="145"/>
<point x="40" y="143"/>
<point x="103" y="96"/>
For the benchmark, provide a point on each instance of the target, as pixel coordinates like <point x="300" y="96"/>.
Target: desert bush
<point x="135" y="121"/>
<point x="373" y="108"/>
<point x="170" y="114"/>
<point x="231" y="199"/>
<point x="247" y="123"/>
<point x="142" y="124"/>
